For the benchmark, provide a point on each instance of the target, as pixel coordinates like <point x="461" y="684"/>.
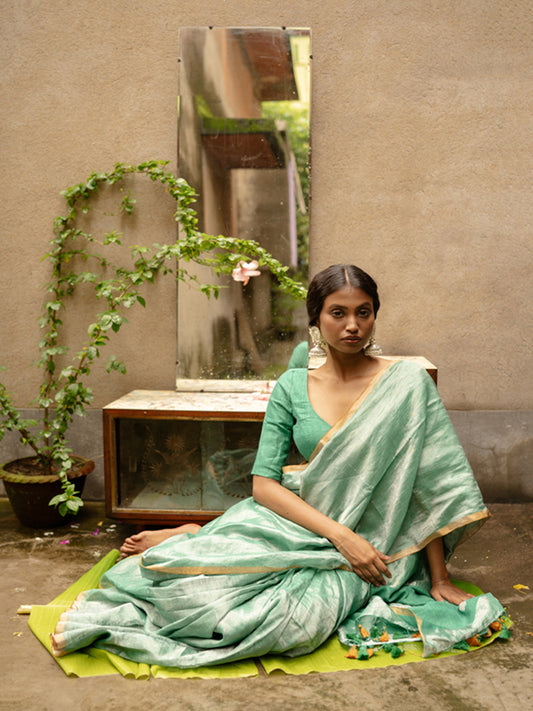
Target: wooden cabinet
<point x="173" y="457"/>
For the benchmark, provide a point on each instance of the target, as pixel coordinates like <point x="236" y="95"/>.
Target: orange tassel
<point x="384" y="637"/>
<point x="496" y="625"/>
<point x="473" y="642"/>
<point x="352" y="653"/>
<point x="364" y="633"/>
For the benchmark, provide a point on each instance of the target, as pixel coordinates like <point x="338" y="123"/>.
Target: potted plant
<point x="63" y="393"/>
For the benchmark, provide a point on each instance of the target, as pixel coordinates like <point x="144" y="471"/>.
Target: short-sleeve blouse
<point x="289" y="416"/>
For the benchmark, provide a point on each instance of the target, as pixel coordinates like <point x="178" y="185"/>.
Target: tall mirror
<point x="243" y="144"/>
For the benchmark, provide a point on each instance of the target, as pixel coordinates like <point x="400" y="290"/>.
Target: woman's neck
<point x="343" y="367"/>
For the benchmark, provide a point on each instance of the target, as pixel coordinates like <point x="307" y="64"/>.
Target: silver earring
<point x="372" y="348"/>
<point x="317" y="353"/>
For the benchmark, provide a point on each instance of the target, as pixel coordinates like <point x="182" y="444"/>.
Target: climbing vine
<point x="63" y="393"/>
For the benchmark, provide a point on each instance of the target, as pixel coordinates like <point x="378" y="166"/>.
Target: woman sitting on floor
<point x="361" y="531"/>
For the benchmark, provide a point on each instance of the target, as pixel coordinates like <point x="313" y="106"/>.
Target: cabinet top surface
<point x="170" y="400"/>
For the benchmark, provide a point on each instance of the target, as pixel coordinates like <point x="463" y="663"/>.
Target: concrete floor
<point x="37" y="567"/>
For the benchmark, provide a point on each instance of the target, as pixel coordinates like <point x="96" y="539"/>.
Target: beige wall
<point x="421" y="133"/>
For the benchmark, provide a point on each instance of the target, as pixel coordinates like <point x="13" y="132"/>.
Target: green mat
<point x="97" y="662"/>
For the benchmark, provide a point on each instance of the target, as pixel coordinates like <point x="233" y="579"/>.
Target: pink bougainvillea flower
<point x="244" y="270"/>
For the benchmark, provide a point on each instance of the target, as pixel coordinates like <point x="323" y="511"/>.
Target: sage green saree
<point x="251" y="582"/>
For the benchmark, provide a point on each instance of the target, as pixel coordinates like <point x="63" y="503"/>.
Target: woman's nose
<point x="351" y="323"/>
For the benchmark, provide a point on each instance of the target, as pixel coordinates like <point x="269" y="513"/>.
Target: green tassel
<point x="462" y="645"/>
<point x="362" y="653"/>
<point x="396" y="652"/>
<point x="505" y="632"/>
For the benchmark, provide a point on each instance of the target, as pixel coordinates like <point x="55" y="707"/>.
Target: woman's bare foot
<point x="56" y="649"/>
<point x="140" y="542"/>
<point x="57" y="639"/>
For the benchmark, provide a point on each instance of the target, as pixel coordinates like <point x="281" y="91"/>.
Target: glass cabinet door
<point x="193" y="465"/>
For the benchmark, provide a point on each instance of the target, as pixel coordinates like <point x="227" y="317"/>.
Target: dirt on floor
<point x="38" y="565"/>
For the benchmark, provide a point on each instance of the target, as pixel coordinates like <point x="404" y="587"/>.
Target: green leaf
<point x="117" y="365"/>
<point x="112" y="238"/>
<point x="53" y="305"/>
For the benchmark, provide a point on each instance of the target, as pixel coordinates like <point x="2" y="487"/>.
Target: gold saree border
<point x="225" y="570"/>
<point x="478" y="517"/>
<point x="345" y="418"/>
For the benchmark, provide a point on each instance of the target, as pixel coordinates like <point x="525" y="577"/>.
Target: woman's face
<point x="347" y="319"/>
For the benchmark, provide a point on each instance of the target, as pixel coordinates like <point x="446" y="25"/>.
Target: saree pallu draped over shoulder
<point x="251" y="582"/>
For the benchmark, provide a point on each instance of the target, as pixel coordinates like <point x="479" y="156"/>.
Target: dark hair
<point x="334" y="278"/>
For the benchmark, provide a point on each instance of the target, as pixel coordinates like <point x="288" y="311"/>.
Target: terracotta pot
<point x="29" y="490"/>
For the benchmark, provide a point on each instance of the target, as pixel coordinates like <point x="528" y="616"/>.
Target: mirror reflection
<point x="243" y="144"/>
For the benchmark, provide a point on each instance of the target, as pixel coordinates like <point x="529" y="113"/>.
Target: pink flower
<point x="244" y="270"/>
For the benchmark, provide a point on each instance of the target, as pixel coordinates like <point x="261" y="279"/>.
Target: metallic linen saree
<point x="251" y="582"/>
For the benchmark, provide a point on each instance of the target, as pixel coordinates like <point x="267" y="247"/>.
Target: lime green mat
<point x="97" y="662"/>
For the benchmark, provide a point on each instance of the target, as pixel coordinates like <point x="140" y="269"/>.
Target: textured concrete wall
<point x="421" y="169"/>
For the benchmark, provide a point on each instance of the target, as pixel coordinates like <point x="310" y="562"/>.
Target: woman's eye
<point x="336" y="313"/>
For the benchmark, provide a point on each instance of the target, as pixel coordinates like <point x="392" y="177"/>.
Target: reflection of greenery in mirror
<point x="244" y="147"/>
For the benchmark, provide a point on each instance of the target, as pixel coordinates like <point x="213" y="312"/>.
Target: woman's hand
<point x="365" y="559"/>
<point x="445" y="590"/>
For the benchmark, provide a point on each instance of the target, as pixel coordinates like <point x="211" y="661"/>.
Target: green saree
<point x="251" y="582"/>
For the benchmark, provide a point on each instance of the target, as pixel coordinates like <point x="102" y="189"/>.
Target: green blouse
<point x="289" y="416"/>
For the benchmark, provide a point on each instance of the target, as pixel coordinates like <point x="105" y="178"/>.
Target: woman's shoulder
<point x="289" y="392"/>
<point x="410" y="371"/>
<point x="292" y="378"/>
<point x="291" y="387"/>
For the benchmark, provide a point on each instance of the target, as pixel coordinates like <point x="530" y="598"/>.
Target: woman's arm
<point x="441" y="586"/>
<point x="365" y="559"/>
